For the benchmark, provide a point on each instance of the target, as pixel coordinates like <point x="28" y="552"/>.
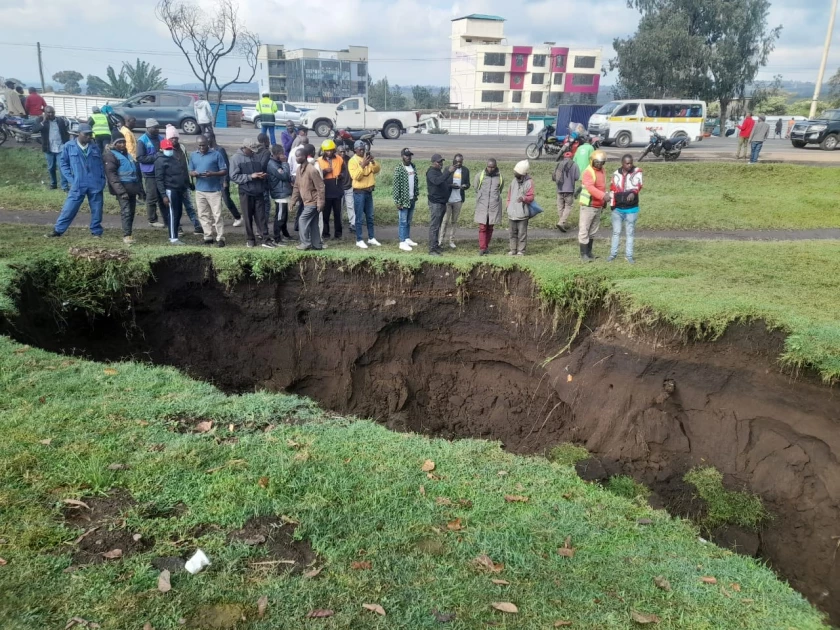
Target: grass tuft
<point x="725" y="507"/>
<point x="568" y="454"/>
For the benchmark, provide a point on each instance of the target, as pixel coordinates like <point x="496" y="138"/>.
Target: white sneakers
<point x="237" y="222"/>
<point x="405" y="246"/>
<point x="410" y="242"/>
<point x="373" y="241"/>
<point x="361" y="244"/>
<point x="453" y="245"/>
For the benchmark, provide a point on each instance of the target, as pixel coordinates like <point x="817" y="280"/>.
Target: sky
<point x="408" y="39"/>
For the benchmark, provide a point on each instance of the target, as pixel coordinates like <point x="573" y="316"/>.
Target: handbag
<point x="534" y="209"/>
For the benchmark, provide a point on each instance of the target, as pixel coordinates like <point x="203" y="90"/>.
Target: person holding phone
<point x="208" y="169"/>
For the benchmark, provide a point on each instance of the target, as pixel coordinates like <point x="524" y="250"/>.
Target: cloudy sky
<point x="408" y="39"/>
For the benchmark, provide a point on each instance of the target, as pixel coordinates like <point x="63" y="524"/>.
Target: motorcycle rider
<point x="593" y="198"/>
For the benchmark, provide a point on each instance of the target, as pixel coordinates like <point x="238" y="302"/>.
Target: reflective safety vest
<point x="266" y="109"/>
<point x="100" y="125"/>
<point x="585" y="196"/>
<point x="481" y="181"/>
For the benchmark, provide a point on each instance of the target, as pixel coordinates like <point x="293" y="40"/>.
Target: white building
<point x="488" y="72"/>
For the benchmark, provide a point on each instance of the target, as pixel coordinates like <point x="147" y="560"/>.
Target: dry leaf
<point x="22" y="349"/>
<point x="312" y="573"/>
<point x="117" y="467"/>
<point x="292" y="444"/>
<point x="113" y="554"/>
<point x="747" y="600"/>
<point x="204" y="426"/>
<point x="501" y="582"/>
<point x="77" y="503"/>
<point x="46" y="442"/>
<point x="428" y="466"/>
<point x="230" y="428"/>
<point x="505" y="607"/>
<point x="569" y="378"/>
<point x="3" y="562"/>
<point x="708" y="580"/>
<point x="454" y="526"/>
<point x="74" y="621"/>
<point x="735" y="587"/>
<point x="262" y="604"/>
<point x="662" y="583"/>
<point x="363" y="565"/>
<point x="432" y="476"/>
<point x="423" y="490"/>
<point x="136" y="537"/>
<point x="567" y="551"/>
<point x="643" y="618"/>
<point x="148" y="626"/>
<point x="375" y="608"/>
<point x="164" y="585"/>
<point x="502" y="473"/>
<point x="257" y="539"/>
<point x="516" y="498"/>
<point x="562" y="624"/>
<point x="319" y="614"/>
<point x="443" y="501"/>
<point x="289" y="520"/>
<point x="465" y="503"/>
<point x="263" y="482"/>
<point x="110" y="371"/>
<point x="484" y="563"/>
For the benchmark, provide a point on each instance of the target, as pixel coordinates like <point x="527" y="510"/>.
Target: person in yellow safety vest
<point x="266" y="108"/>
<point x="593" y="198"/>
<point x="101" y="129"/>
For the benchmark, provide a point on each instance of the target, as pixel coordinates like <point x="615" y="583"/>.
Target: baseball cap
<point x="437" y="157"/>
<point x="406" y="152"/>
<point x="166" y="144"/>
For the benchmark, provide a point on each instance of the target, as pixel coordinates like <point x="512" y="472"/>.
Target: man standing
<point x="744" y="134"/>
<point x="593" y="198"/>
<point x="488" y="204"/>
<point x="280" y="187"/>
<point x="363" y="169"/>
<point x="519" y="199"/>
<point x="347" y="185"/>
<point x="35" y="103"/>
<point x="301" y="139"/>
<point x="13" y="105"/>
<point x="583" y="154"/>
<point x="287" y="138"/>
<point x="124" y="182"/>
<point x="439" y="189"/>
<point x="566" y="175"/>
<point x="460" y="183"/>
<point x="208" y="169"/>
<point x="778" y="133"/>
<point x="246" y="172"/>
<point x="148" y="149"/>
<point x="172" y="182"/>
<point x="204" y="116"/>
<point x="790" y="125"/>
<point x="231" y="206"/>
<point x="54" y="135"/>
<point x="331" y="166"/>
<point x="174" y="137"/>
<point x="757" y="137"/>
<point x="266" y="108"/>
<point x="101" y="128"/>
<point x="309" y="188"/>
<point x="128" y="134"/>
<point x="405" y="191"/>
<point x="81" y="165"/>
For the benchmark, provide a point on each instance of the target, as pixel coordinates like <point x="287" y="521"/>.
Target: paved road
<point x="513" y="148"/>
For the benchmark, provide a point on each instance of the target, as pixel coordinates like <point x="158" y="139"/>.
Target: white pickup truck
<point x="354" y="113"/>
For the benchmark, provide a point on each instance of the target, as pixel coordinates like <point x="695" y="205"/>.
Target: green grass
<point x="567" y="454"/>
<point x="725" y="507"/>
<point x="357" y="491"/>
<point x="683" y="196"/>
<point x="627" y="487"/>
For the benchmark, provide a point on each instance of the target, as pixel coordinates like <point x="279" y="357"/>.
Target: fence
<point x="484" y="123"/>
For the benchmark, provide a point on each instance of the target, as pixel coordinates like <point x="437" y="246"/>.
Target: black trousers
<point x="127" y="209"/>
<point x="332" y="207"/>
<point x="281" y="218"/>
<point x="152" y="198"/>
<point x="229" y="202"/>
<point x="254" y="209"/>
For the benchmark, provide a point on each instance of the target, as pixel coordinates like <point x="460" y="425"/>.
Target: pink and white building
<point x="487" y="72"/>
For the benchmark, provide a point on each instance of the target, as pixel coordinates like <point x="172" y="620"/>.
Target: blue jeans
<point x="629" y="221"/>
<point x="74" y="201"/>
<point x="52" y="166"/>
<point x="269" y="129"/>
<point x="363" y="205"/>
<point x="406" y="216"/>
<point x="755" y="149"/>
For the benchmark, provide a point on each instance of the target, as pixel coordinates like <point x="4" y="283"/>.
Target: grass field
<point x="682" y="196"/>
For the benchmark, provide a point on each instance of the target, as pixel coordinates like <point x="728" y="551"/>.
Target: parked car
<point x="168" y="108"/>
<point x="354" y="113"/>
<point x="823" y="130"/>
<point x="285" y="111"/>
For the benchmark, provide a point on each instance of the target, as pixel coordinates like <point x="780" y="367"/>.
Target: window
<point x="539" y="61"/>
<point x="494" y="59"/>
<point x="536" y="97"/>
<point x="555" y="99"/>
<point x="652" y="110"/>
<point x="519" y="61"/>
<point x="171" y="100"/>
<point x="538" y="78"/>
<point x="493" y="77"/>
<point x="584" y="62"/>
<point x="517" y="80"/>
<point x="349" y="106"/>
<point x="516" y="97"/>
<point x="492" y="96"/>
<point x="560" y="61"/>
<point x="469" y="41"/>
<point x="281" y="54"/>
<point x="583" y="79"/>
<point x="629" y="109"/>
<point x="558" y="79"/>
<point x="276" y="67"/>
<point x="290" y="108"/>
<point x="361" y="70"/>
<point x="148" y="100"/>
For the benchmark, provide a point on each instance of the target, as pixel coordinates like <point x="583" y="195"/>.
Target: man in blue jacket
<point x="81" y="165"/>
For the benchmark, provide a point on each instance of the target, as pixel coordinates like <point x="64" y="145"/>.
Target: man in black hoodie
<point x="247" y="172"/>
<point x="439" y="185"/>
<point x="173" y="181"/>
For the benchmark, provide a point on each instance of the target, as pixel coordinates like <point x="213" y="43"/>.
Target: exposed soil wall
<point x="433" y="353"/>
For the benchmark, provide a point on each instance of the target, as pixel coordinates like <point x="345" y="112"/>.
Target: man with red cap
<point x="172" y="179"/>
<point x="566" y="175"/>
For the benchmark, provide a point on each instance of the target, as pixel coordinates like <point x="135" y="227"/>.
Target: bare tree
<point x="206" y="38"/>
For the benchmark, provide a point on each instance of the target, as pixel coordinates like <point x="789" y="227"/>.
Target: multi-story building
<point x="308" y="75"/>
<point x="487" y="72"/>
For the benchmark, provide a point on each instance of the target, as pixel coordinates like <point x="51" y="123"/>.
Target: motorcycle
<point x="17" y="127"/>
<point x="546" y="141"/>
<point x="663" y="147"/>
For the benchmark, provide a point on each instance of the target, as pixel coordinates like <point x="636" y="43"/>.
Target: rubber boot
<point x="589" y="250"/>
<point x="584" y="253"/>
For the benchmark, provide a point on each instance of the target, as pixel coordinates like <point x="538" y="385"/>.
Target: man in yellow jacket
<point x="266" y="108"/>
<point x="363" y="169"/>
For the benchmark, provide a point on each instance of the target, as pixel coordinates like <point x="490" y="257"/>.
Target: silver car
<point x="285" y="111"/>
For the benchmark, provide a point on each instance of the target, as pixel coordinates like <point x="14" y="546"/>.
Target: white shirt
<point x="410" y="171"/>
<point x="455" y="195"/>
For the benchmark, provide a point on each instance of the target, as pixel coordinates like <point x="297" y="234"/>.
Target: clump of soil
<point x="277" y="549"/>
<point x="102" y="529"/>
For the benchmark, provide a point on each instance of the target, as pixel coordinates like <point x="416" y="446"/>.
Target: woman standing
<point x="488" y="204"/>
<point x="625" y="186"/>
<point x="519" y="199"/>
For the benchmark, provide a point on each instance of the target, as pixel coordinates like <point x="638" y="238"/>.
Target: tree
<point x="378" y="92"/>
<point x="423" y="98"/>
<point x="710" y="49"/>
<point x="70" y="80"/>
<point x="143" y="76"/>
<point x="206" y="38"/>
<point x="442" y="100"/>
<point x="834" y="89"/>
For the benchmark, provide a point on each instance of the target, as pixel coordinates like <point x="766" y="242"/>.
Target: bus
<point x="625" y="122"/>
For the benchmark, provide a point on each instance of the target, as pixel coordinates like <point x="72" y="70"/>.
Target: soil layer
<point x="460" y="356"/>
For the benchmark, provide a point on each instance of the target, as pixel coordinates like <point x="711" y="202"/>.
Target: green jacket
<point x="400" y="190"/>
<point x="582" y="156"/>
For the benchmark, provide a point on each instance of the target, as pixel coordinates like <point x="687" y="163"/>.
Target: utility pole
<point x="824" y="59"/>
<point x="41" y="68"/>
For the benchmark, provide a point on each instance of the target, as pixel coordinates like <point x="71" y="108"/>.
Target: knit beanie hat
<point x="116" y="136"/>
<point x="171" y="132"/>
<point x="522" y="168"/>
